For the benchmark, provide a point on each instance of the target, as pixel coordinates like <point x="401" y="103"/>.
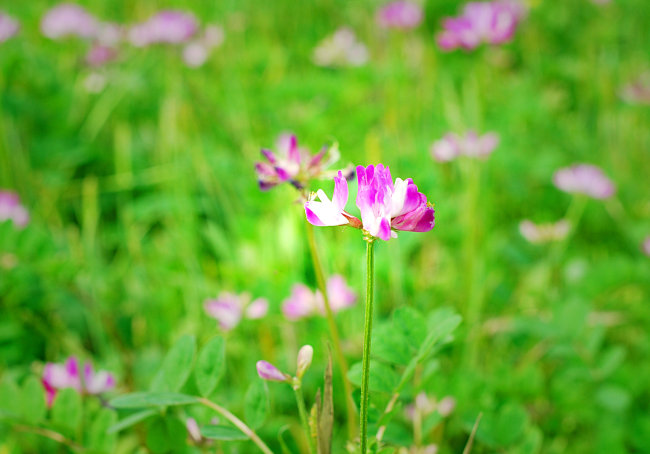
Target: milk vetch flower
<point x="70" y="375"/>
<point x="229" y="308"/>
<point x="584" y="179"/>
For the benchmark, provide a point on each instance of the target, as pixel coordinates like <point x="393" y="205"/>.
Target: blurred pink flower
<point x="109" y="34"/>
<point x="645" y="246"/>
<point x="544" y="233"/>
<point x="69" y="375"/>
<point x="400" y="14"/>
<point x="12" y="210"/>
<point x="303" y="302"/>
<point x="268" y="371"/>
<point x="637" y="91"/>
<point x="168" y="26"/>
<point x="584" y="179"/>
<point x="67" y="19"/>
<point x="8" y="27"/>
<point x="481" y="22"/>
<point x="193" y="430"/>
<point x="471" y="144"/>
<point x="230" y="308"/>
<point x="99" y="55"/>
<point x="341" y="49"/>
<point x="196" y="52"/>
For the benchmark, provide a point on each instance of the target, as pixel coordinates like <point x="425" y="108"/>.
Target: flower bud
<point x="305" y="355"/>
<point x="268" y="371"/>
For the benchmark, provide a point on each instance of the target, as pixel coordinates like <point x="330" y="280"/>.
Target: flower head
<point x="269" y="372"/>
<point x="8" y="27"/>
<point x="645" y="246"/>
<point x="481" y="22"/>
<point x="400" y="14"/>
<point x="341" y="49"/>
<point x="67" y="19"/>
<point x="303" y="361"/>
<point x="69" y="375"/>
<point x="99" y="55"/>
<point x="166" y="27"/>
<point x="303" y="302"/>
<point x="197" y="51"/>
<point x="12" y="210"/>
<point x="584" y="179"/>
<point x="230" y="308"/>
<point x="193" y="430"/>
<point x="544" y="233"/>
<point x="471" y="144"/>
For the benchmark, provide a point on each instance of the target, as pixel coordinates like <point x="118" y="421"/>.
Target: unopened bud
<point x="305" y="355"/>
<point x="268" y="371"/>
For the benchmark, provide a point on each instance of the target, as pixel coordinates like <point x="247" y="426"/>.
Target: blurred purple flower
<point x="193" y="430"/>
<point x="400" y="14"/>
<point x="169" y="27"/>
<point x="481" y="22"/>
<point x="196" y="52"/>
<point x="230" y="308"/>
<point x="471" y="144"/>
<point x="341" y="49"/>
<point x="12" y="210"/>
<point x="99" y="55"/>
<point x="584" y="179"/>
<point x="67" y="19"/>
<point x="638" y="91"/>
<point x="645" y="246"/>
<point x="544" y="233"/>
<point x="8" y="27"/>
<point x="303" y="302"/>
<point x="109" y="34"/>
<point x="268" y="371"/>
<point x="68" y="375"/>
<point x="340" y="295"/>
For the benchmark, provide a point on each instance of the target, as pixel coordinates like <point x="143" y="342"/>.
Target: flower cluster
<point x="293" y="164"/>
<point x="471" y="144"/>
<point x="341" y="49"/>
<point x="70" y="375"/>
<point x="481" y="22"/>
<point x="269" y="372"/>
<point x="230" y="308"/>
<point x="385" y="206"/>
<point x="400" y="14"/>
<point x="8" y="27"/>
<point x="544" y="233"/>
<point x="304" y="302"/>
<point x="164" y="27"/>
<point x="584" y="179"/>
<point x="12" y="210"/>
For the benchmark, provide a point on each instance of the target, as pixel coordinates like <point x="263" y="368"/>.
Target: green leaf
<point x="131" y="420"/>
<point x="66" y="410"/>
<point x="382" y="377"/>
<point x="210" y="365"/>
<point x="152" y="399"/>
<point x="9" y="405"/>
<point x="176" y="366"/>
<point x="391" y="345"/>
<point x="32" y="398"/>
<point x="411" y="323"/>
<point x="256" y="404"/>
<point x="225" y="433"/>
<point x="441" y="324"/>
<point x="99" y="437"/>
<point x="166" y="435"/>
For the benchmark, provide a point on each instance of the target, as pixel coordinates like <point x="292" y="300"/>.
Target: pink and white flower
<point x="304" y="302"/>
<point x="341" y="49"/>
<point x="481" y="22"/>
<point x="400" y="14"/>
<point x="544" y="233"/>
<point x="584" y="179"/>
<point x="8" y="27"/>
<point x="12" y="210"/>
<point x="196" y="52"/>
<point x="269" y="372"/>
<point x="471" y="144"/>
<point x="166" y="27"/>
<point x="229" y="309"/>
<point x="69" y="375"/>
<point x="67" y="19"/>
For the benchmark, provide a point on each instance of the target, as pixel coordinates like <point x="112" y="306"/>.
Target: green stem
<point x="300" y="400"/>
<point x="367" y="336"/>
<point x="334" y="332"/>
<point x="238" y="423"/>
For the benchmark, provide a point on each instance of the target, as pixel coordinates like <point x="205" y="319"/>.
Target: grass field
<point x="139" y="179"/>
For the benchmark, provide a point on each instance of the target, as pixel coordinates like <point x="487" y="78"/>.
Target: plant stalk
<point x="300" y="400"/>
<point x="367" y="336"/>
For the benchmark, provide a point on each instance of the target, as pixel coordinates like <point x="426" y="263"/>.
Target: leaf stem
<point x="334" y="333"/>
<point x="367" y="336"/>
<point x="300" y="400"/>
<point x="237" y="423"/>
<point x="52" y="435"/>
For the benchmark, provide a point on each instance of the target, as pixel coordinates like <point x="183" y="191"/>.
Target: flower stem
<point x="334" y="332"/>
<point x="237" y="423"/>
<point x="367" y="336"/>
<point x="300" y="400"/>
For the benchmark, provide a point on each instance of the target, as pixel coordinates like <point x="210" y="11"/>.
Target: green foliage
<point x="177" y="366"/>
<point x="66" y="410"/>
<point x="100" y="438"/>
<point x="151" y="399"/>
<point x="32" y="399"/>
<point x="166" y="435"/>
<point x="210" y="365"/>
<point x="256" y="404"/>
<point x="223" y="433"/>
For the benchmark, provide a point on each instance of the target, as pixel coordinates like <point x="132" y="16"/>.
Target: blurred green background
<point x="144" y="203"/>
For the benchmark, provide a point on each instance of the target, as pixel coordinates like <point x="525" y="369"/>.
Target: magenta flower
<point x="68" y="375"/>
<point x="544" y="233"/>
<point x="341" y="49"/>
<point x="269" y="372"/>
<point x="645" y="246"/>
<point x="584" y="179"/>
<point x="303" y="302"/>
<point x="168" y="27"/>
<point x="230" y="308"/>
<point x="340" y="295"/>
<point x="471" y="144"/>
<point x="400" y="14"/>
<point x="293" y="164"/>
<point x="481" y="22"/>
<point x="12" y="210"/>
<point x="67" y="19"/>
<point x="8" y="27"/>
